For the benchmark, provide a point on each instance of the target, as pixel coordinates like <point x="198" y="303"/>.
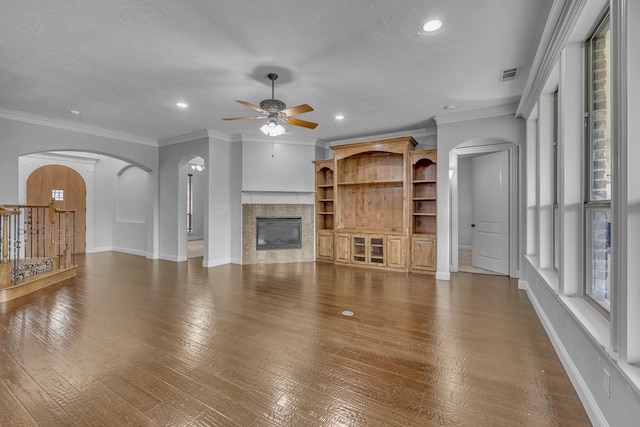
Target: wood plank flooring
<point x="132" y="341"/>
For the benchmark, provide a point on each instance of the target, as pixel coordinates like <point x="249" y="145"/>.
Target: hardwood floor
<point x="137" y="342"/>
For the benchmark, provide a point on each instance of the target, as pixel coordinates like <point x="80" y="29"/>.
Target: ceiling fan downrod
<point x="272" y="105"/>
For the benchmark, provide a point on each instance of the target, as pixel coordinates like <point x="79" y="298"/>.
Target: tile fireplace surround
<point x="252" y="211"/>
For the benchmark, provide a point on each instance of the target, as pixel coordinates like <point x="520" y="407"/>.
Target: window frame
<point x="590" y="204"/>
<point x="189" y="203"/>
<point x="555" y="215"/>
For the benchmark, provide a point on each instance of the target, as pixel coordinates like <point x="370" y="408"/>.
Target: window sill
<point x="550" y="277"/>
<point x="592" y="321"/>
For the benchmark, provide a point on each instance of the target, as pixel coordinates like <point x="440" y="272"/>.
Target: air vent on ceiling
<point x="510" y="74"/>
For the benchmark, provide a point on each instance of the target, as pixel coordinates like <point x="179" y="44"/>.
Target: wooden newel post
<point x="5" y="266"/>
<point x="51" y="251"/>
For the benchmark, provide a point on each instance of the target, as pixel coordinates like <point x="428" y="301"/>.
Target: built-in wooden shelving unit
<point x="376" y="206"/>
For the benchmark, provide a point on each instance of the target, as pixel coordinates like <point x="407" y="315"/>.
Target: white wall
<point x="235" y="200"/>
<point x="465" y="202"/>
<point x="219" y="232"/>
<point x="268" y="165"/>
<point x="130" y="222"/>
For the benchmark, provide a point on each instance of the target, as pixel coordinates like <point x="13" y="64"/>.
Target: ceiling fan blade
<point x="303" y="123"/>
<point x="245" y="118"/>
<point x="250" y="105"/>
<point x="304" y="108"/>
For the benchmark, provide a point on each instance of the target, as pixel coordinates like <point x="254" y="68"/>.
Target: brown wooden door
<point x="44" y="180"/>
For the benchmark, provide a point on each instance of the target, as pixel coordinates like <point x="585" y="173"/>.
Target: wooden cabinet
<point x="369" y="250"/>
<point x="423" y="253"/>
<point x="359" y="246"/>
<point x="324" y="245"/>
<point x="371" y="200"/>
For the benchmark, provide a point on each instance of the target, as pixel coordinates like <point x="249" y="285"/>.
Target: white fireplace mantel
<point x="278" y="197"/>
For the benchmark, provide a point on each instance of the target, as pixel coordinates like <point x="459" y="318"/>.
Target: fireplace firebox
<point x="274" y="233"/>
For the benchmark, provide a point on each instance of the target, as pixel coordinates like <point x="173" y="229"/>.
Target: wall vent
<point x="508" y="75"/>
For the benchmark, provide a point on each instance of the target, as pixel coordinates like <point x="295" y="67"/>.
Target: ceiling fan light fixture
<point x="271" y="128"/>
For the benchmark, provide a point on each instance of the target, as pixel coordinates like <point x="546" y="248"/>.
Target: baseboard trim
<point x="216" y="262"/>
<point x="173" y="258"/>
<point x="443" y="275"/>
<point x="130" y="251"/>
<point x="101" y="249"/>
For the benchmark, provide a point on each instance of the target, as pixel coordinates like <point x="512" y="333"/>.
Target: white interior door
<point x="490" y="236"/>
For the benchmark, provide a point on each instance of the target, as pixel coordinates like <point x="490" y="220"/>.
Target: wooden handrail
<point x="11" y="208"/>
<point x="5" y="211"/>
<point x="54" y="235"/>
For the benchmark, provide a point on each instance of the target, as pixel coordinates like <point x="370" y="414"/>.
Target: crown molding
<point x="276" y="140"/>
<point x="560" y="24"/>
<point x="415" y="133"/>
<point x="75" y="127"/>
<point x="219" y="135"/>
<point x="481" y="113"/>
<point x="201" y="134"/>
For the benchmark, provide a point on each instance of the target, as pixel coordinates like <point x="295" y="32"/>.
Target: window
<point x="556" y="184"/>
<point x="57" y="194"/>
<point x="189" y="203"/>
<point x="598" y="183"/>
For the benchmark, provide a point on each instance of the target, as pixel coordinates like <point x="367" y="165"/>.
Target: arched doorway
<point x="68" y="188"/>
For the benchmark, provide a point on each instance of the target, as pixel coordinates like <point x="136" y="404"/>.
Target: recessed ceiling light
<point x="181" y="105"/>
<point x="432" y="25"/>
<point x="339" y="117"/>
<point x="75" y="113"/>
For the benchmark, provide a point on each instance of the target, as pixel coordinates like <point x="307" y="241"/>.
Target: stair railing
<point x="35" y="231"/>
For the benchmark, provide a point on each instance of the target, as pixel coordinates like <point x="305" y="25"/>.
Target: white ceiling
<point x="125" y="63"/>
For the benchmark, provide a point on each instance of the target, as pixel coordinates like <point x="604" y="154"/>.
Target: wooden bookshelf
<point x="424" y="199"/>
<point x="376" y="206"/>
<point x="372" y="199"/>
<point x="325" y="211"/>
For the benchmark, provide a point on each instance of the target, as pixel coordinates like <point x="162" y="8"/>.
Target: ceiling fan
<point x="276" y="112"/>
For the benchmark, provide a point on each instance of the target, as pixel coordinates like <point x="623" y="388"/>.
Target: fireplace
<point x="275" y="233"/>
<point x="302" y="252"/>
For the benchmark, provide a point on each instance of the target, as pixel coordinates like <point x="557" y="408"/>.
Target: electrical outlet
<point x="605" y="382"/>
